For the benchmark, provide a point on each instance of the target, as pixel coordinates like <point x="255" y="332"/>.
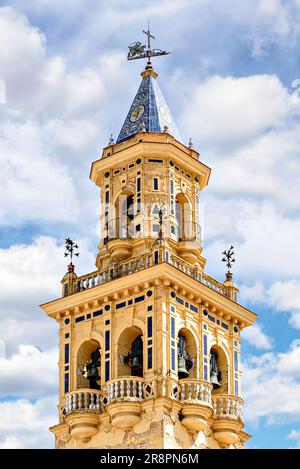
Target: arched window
<point x="124" y="226"/>
<point x="187" y="353"/>
<point x="183" y="217"/>
<point x="218" y="370"/>
<point x="130" y="348"/>
<point x="89" y="365"/>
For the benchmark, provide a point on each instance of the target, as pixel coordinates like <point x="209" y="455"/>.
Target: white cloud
<point x="24" y="424"/>
<point x="30" y="275"/>
<point x="284" y="296"/>
<point x="28" y="176"/>
<point x="227" y="110"/>
<point x="29" y="373"/>
<point x="271" y="386"/>
<point x="295" y="435"/>
<point x="256" y="337"/>
<point x="264" y="240"/>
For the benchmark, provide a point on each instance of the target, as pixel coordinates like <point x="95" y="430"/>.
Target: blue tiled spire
<point x="148" y="111"/>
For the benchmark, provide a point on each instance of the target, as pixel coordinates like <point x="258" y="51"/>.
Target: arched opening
<point x="130" y="349"/>
<point x="125" y="216"/>
<point x="183" y="217"/>
<point x="186" y="354"/>
<point x="89" y="365"/>
<point x="218" y="370"/>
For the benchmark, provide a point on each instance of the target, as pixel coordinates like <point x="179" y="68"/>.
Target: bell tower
<point x="149" y="342"/>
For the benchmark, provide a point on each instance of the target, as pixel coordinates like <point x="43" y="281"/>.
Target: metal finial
<point x="161" y="214"/>
<point x="229" y="259"/>
<point x="191" y="145"/>
<point x="137" y="50"/>
<point x="143" y="127"/>
<point x="111" y="140"/>
<point x="166" y="128"/>
<point x="71" y="246"/>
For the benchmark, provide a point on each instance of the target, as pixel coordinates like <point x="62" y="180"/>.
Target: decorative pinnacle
<point x="143" y="127"/>
<point x="191" y="145"/>
<point x="111" y="140"/>
<point x="166" y="128"/>
<point x="70" y="247"/>
<point x="229" y="259"/>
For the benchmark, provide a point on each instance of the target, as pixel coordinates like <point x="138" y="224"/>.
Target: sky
<point x="232" y="84"/>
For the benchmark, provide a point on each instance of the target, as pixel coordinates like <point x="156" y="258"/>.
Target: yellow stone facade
<point x="150" y="284"/>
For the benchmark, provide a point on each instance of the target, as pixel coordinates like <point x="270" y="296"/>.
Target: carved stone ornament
<point x="106" y="427"/>
<point x="174" y="417"/>
<point x="63" y="439"/>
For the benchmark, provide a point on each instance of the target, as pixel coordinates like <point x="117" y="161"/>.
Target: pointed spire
<point x="149" y="109"/>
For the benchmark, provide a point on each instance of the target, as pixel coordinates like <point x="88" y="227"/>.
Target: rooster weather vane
<point x="71" y="246"/>
<point x="229" y="259"/>
<point x="137" y="50"/>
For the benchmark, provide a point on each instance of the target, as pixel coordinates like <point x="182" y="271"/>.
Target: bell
<point x="182" y="371"/>
<point x="134" y="358"/>
<point x="92" y="372"/>
<point x="215" y="374"/>
<point x="214" y="379"/>
<point x="91" y="368"/>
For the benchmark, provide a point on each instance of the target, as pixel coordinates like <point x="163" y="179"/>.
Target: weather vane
<point x="137" y="50"/>
<point x="71" y="247"/>
<point x="229" y="259"/>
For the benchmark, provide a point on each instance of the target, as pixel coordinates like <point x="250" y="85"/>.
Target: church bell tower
<point x="149" y="342"/>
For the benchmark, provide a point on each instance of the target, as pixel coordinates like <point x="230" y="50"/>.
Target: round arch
<point x="223" y="367"/>
<point x="88" y="362"/>
<point x="131" y="352"/>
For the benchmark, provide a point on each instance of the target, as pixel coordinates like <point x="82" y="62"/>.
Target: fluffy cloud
<point x="29" y="373"/>
<point x="228" y="111"/>
<point x="284" y="296"/>
<point x="295" y="435"/>
<point x="256" y="337"/>
<point x="25" y="424"/>
<point x="30" y="276"/>
<point x="271" y="386"/>
<point x="25" y="162"/>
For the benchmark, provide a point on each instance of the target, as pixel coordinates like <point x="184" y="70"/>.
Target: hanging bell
<point x="137" y="357"/>
<point x="92" y="372"/>
<point x="182" y="371"/>
<point x="214" y="379"/>
<point x="215" y="374"/>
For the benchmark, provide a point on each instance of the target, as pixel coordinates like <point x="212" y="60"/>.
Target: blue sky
<point x="229" y="84"/>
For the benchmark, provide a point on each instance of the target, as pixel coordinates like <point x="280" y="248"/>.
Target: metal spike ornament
<point x="71" y="248"/>
<point x="161" y="215"/>
<point x="137" y="50"/>
<point x="229" y="259"/>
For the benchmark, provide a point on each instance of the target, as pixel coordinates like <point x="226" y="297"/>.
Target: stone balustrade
<point x="90" y="400"/>
<point x="129" y="388"/>
<point x="191" y="390"/>
<point x="227" y="406"/>
<point x="213" y="284"/>
<point x="142" y="262"/>
<point x="136" y="389"/>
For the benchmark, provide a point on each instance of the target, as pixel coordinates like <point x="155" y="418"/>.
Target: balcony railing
<point x="130" y="388"/>
<point x="136" y="389"/>
<point x="87" y="400"/>
<point x="144" y="261"/>
<point x="121" y="228"/>
<point x="226" y="406"/>
<point x="191" y="390"/>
